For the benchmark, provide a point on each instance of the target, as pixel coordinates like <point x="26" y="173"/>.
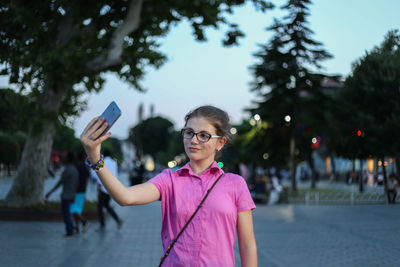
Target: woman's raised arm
<point x="127" y="196"/>
<point x="91" y="140"/>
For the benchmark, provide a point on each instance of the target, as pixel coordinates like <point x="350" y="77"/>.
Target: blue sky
<point x="199" y="73"/>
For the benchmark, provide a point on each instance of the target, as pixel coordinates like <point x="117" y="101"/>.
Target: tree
<point x="9" y="151"/>
<point x="114" y="145"/>
<point x="370" y="103"/>
<point x="14" y="110"/>
<point x="174" y="148"/>
<point x="286" y="71"/>
<point x="57" y="50"/>
<point x="151" y="136"/>
<point x="65" y="140"/>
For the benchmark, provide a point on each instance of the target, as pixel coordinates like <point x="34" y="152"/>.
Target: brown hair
<point x="217" y="117"/>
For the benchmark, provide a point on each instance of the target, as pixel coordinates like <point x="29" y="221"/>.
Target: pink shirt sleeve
<point x="162" y="181"/>
<point x="243" y="197"/>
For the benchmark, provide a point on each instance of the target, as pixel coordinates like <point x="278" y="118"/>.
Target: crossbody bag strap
<point x="187" y="223"/>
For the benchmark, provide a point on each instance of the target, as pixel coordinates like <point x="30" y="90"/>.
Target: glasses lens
<point x="187" y="134"/>
<point x="203" y="137"/>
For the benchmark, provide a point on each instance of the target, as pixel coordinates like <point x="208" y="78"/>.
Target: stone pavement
<point x="287" y="235"/>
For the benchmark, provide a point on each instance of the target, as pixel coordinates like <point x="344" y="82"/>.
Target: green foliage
<point x="259" y="144"/>
<point x="59" y="44"/>
<point x="9" y="149"/>
<point x="65" y="140"/>
<point x="14" y="110"/>
<point x="151" y="136"/>
<point x="370" y="103"/>
<point x="114" y="145"/>
<point x="174" y="148"/>
<point x="20" y="137"/>
<point x="286" y="82"/>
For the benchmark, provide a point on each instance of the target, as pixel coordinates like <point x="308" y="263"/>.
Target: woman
<point x="209" y="238"/>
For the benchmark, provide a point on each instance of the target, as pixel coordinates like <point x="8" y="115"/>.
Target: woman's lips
<point x="193" y="149"/>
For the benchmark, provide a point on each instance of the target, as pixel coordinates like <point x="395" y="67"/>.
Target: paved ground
<point x="287" y="235"/>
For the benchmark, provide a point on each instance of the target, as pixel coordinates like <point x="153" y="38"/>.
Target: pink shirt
<point x="210" y="237"/>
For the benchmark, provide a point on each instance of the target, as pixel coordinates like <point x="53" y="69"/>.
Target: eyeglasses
<point x="201" y="136"/>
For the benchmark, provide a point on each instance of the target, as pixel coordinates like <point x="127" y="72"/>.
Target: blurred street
<point x="287" y="235"/>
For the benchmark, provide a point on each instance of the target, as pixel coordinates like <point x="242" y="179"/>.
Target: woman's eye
<point x="204" y="135"/>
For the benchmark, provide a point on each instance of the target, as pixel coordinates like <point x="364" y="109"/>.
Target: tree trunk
<point x="27" y="188"/>
<point x="312" y="167"/>
<point x="8" y="169"/>
<point x="333" y="167"/>
<point x="360" y="177"/>
<point x="384" y="172"/>
<point x="28" y="185"/>
<point x="293" y="164"/>
<point x="397" y="160"/>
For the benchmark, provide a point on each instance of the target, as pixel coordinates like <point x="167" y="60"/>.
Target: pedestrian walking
<point x="77" y="206"/>
<point x="202" y="206"/>
<point x="137" y="175"/>
<point x="391" y="188"/>
<point x="103" y="197"/>
<point x="69" y="182"/>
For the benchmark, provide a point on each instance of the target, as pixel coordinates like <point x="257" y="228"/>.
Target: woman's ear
<point x="221" y="143"/>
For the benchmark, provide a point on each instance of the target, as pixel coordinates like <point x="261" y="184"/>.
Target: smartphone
<point x="111" y="115"/>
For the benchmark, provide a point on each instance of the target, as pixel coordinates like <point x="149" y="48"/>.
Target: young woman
<point x="208" y="240"/>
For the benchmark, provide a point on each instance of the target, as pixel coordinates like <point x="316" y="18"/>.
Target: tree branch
<point x="129" y="25"/>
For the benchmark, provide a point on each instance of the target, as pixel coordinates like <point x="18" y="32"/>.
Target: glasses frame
<point x="196" y="134"/>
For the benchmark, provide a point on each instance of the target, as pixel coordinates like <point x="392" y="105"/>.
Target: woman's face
<point x="202" y="151"/>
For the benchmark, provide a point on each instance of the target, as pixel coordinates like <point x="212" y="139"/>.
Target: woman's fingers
<point x="99" y="130"/>
<point x="104" y="137"/>
<point x="92" y="129"/>
<point x="91" y="123"/>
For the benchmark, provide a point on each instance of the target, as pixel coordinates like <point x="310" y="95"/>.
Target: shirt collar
<point x="186" y="169"/>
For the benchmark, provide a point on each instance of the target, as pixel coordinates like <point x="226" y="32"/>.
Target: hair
<point x="107" y="152"/>
<point x="217" y="117"/>
<point x="70" y="158"/>
<point x="80" y="155"/>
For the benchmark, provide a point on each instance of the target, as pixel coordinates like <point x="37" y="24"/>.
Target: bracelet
<point x="95" y="166"/>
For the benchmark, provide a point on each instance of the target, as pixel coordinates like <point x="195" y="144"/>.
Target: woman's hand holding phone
<point x="96" y="132"/>
<point x="91" y="138"/>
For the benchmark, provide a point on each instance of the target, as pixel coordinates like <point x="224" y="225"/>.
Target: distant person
<point x="380" y="178"/>
<point x="69" y="181"/>
<point x="218" y="202"/>
<point x="138" y="173"/>
<point x="103" y="198"/>
<point x="370" y="179"/>
<point x="391" y="188"/>
<point x="261" y="186"/>
<point x="77" y="207"/>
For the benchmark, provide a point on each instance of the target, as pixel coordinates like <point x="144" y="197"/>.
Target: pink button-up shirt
<point x="210" y="237"/>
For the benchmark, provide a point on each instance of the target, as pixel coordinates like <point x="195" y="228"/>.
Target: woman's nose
<point x="194" y="139"/>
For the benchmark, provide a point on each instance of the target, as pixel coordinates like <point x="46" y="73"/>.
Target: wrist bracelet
<point x="95" y="166"/>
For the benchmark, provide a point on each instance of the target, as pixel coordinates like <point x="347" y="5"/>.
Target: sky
<point x="200" y="73"/>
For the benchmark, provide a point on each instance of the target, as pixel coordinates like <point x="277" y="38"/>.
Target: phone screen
<point x="110" y="114"/>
